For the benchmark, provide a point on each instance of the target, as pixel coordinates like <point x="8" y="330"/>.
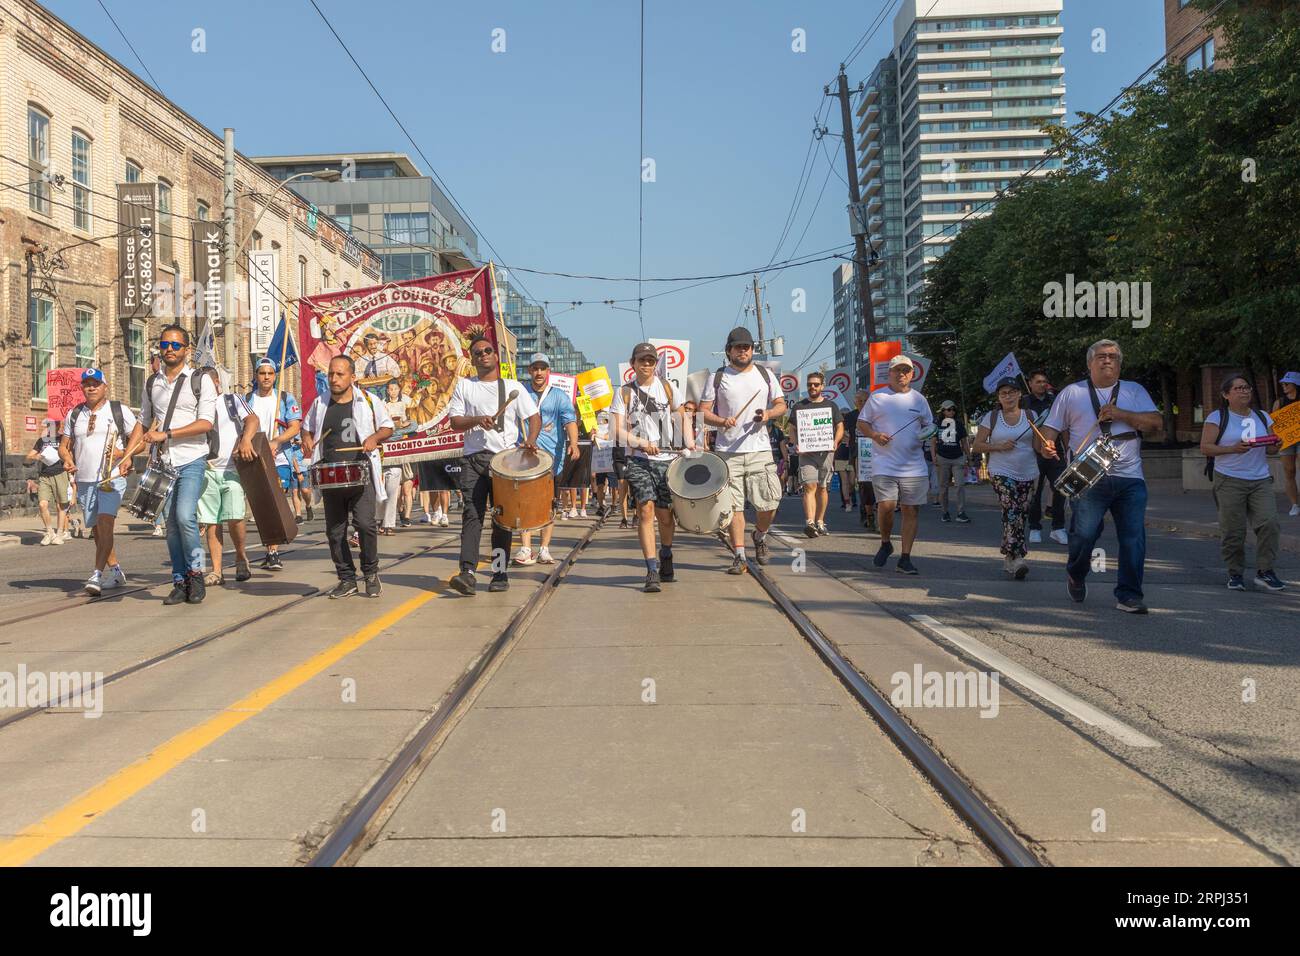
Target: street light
<point x="324" y="175"/>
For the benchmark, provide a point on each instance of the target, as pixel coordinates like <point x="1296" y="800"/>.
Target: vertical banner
<point x="205" y="252"/>
<point x="675" y="356"/>
<point x="135" y="246"/>
<point x="409" y="339"/>
<point x="881" y="353"/>
<point x="263" y="270"/>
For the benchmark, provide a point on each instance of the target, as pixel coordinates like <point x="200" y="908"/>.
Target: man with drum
<point x="346" y="427"/>
<point x="746" y="397"/>
<point x="559" y="433"/>
<point x="646" y="416"/>
<point x="1102" y="404"/>
<point x="181" y="410"/>
<point x="493" y="413"/>
<point x="899" y="422"/>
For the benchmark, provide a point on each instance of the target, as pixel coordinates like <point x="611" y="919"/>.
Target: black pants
<point x="359" y="503"/>
<point x="476" y="488"/>
<point x="1048" y="472"/>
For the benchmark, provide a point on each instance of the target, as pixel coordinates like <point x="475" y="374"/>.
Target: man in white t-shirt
<point x="1102" y="404"/>
<point x="898" y="420"/>
<point x="739" y="400"/>
<point x="648" y="422"/>
<point x="82" y="448"/>
<point x="476" y="409"/>
<point x="222" y="499"/>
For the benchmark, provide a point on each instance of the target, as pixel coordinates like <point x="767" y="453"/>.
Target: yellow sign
<point x="1286" y="424"/>
<point x="508" y="370"/>
<point x="587" y="413"/>
<point x="595" y="385"/>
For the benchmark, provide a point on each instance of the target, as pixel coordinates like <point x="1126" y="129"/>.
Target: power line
<point x="156" y="84"/>
<point x="640" y="195"/>
<point x="725" y="275"/>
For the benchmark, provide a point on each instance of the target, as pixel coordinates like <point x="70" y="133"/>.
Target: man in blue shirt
<point x="559" y="428"/>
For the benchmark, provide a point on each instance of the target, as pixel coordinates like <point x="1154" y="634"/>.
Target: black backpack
<point x="114" y="406"/>
<point x="717" y="379"/>
<point x="1223" y="425"/>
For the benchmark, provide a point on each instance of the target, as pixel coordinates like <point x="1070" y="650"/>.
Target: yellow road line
<point x="130" y="780"/>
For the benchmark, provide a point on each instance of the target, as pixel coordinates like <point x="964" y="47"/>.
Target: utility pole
<point x="758" y="311"/>
<point x="231" y="330"/>
<point x="859" y="239"/>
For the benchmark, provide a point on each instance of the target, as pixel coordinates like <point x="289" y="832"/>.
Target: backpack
<point x="114" y="406"/>
<point x="1223" y="425"/>
<point x="196" y="386"/>
<point x="651" y="406"/>
<point x="717" y="378"/>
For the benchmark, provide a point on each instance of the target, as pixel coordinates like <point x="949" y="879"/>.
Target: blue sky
<point x="539" y="144"/>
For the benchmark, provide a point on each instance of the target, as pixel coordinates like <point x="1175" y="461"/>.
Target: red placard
<point x="62" y="392"/>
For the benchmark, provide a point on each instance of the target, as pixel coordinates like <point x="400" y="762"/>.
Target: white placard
<point x="625" y="374"/>
<point x="674" y="357"/>
<point x="263" y="270"/>
<point x="838" y="388"/>
<point x="864" y="459"/>
<point x="816" y="429"/>
<point x="602" y="459"/>
<point x="566" y="384"/>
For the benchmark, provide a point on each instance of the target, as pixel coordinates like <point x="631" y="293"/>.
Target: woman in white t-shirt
<point x="1006" y="436"/>
<point x="1243" y="487"/>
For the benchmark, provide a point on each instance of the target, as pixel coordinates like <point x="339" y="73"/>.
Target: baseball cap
<point x="1292" y="377"/>
<point x="264" y="362"/>
<point x="539" y="358"/>
<point x="901" y="360"/>
<point x="93" y="375"/>
<point x="947" y="403"/>
<point x="739" y="336"/>
<point x="1007" y="381"/>
<point x="644" y="348"/>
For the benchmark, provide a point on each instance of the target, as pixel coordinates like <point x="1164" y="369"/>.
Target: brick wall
<point x="1179" y="22"/>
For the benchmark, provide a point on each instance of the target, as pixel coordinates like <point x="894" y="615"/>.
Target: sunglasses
<point x="173" y="346"/>
<point x="91" y="382"/>
<point x="479" y="353"/>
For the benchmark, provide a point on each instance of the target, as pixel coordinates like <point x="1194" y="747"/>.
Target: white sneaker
<point x="1061" y="536"/>
<point x="47" y="537"/>
<point x="573" y="513"/>
<point x="524" y="556"/>
<point x="111" y="580"/>
<point x="117" y="576"/>
<point x="94" y="585"/>
<point x="544" y="556"/>
<point x="1035" y="537"/>
<point x="159" y="531"/>
<point x="583" y="513"/>
<point x="429" y="519"/>
<point x="1295" y="511"/>
<point x="60" y="537"/>
<point x="443" y="521"/>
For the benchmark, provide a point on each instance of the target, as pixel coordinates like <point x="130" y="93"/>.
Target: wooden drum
<point x="523" y="487"/>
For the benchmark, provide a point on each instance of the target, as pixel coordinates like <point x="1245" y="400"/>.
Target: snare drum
<point x="1089" y="467"/>
<point x="152" y="491"/>
<point x="698" y="484"/>
<point x="523" y="487"/>
<point x="339" y="475"/>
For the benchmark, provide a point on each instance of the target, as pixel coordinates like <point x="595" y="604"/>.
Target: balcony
<point x="870" y="95"/>
<point x="877" y="297"/>
<point x="870" y="150"/>
<point x="876" y="224"/>
<point x="457" y="252"/>
<point x="871" y="132"/>
<point x="875" y="202"/>
<point x="872" y="186"/>
<point x="878" y="279"/>
<point x="871" y="169"/>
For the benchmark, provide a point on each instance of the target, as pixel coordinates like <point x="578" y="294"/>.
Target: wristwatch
<point x="168" y="433"/>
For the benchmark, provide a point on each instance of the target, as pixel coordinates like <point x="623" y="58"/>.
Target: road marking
<point x="130" y="780"/>
<point x="1058" y="697"/>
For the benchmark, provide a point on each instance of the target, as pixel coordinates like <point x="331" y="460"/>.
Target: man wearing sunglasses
<point x="474" y="408"/>
<point x="181" y="410"/>
<point x="85" y="435"/>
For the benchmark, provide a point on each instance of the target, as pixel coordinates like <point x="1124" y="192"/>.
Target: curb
<point x="1287" y="542"/>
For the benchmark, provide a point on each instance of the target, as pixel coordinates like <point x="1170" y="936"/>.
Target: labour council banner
<point x="408" y="340"/>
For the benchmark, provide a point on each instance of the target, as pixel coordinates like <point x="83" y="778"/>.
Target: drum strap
<point x="500" y="425"/>
<point x="1106" y="426"/>
<point x="171" y="409"/>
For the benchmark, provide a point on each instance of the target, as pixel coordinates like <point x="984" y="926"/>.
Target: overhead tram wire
<point x="140" y="59"/>
<point x="640" y="193"/>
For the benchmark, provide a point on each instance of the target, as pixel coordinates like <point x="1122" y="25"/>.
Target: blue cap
<point x="1293" y="378"/>
<point x="92" y="374"/>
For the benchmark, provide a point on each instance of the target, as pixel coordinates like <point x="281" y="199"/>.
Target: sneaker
<point x="1007" y="564"/>
<point x="1061" y="536"/>
<point x="573" y="513"/>
<point x="1267" y="579"/>
<point x="1078" y="589"/>
<point x="961" y="518"/>
<point x="443" y="521"/>
<point x="273" y="562"/>
<point x="464" y="583"/>
<point x="882" y="555"/>
<point x="499" y="582"/>
<point x="297" y="519"/>
<point x="242" y="571"/>
<point x="1035" y="536"/>
<point x="197" y="589"/>
<point x="544" y="556"/>
<point x="372" y="586"/>
<point x="427" y="518"/>
<point x="311" y="514"/>
<point x="179" y="593"/>
<point x="94" y="584"/>
<point x="946" y="518"/>
<point x="159" y="531"/>
<point x="266" y="562"/>
<point x="343" y="589"/>
<point x="847" y="506"/>
<point x="621" y="524"/>
<point x="1019" y="569"/>
<point x="524" y="557"/>
<point x="113" y="579"/>
<point x="404" y="522"/>
<point x="905" y="566"/>
<point x="666" y="572"/>
<point x="738" y="565"/>
<point x="1131" y="605"/>
<point x="652" y="583"/>
<point x="810" y="529"/>
<point x="1235" y="583"/>
<point x="822" y="529"/>
<point x="583" y="513"/>
<point x="47" y="537"/>
<point x="60" y="537"/>
<point x="1295" y="511"/>
<point x="761" y="554"/>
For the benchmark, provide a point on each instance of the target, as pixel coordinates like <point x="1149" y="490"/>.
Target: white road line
<point x="1056" y="696"/>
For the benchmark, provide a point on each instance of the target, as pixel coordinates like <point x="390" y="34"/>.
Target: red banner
<point x="62" y="392"/>
<point x="410" y="342"/>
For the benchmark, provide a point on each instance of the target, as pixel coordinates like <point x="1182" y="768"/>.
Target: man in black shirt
<point x="51" y="484"/>
<point x="950" y="449"/>
<point x="846" y="455"/>
<point x="816" y="466"/>
<point x="1038" y="403"/>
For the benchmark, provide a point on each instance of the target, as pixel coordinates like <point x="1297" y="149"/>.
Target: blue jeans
<point x="182" y="511"/>
<point x="1126" y="499"/>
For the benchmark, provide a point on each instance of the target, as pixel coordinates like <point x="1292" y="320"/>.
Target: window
<point x="1202" y="58"/>
<point x="40" y="322"/>
<point x="135" y="357"/>
<point x="80" y="182"/>
<point x="302" y="276"/>
<point x="38" y="163"/>
<point x="345" y="222"/>
<point x="202" y="213"/>
<point x="85" y="338"/>
<point x="133" y="171"/>
<point x="404" y="265"/>
<point x="164" y="221"/>
<point x="324" y="279"/>
<point x="406" y="228"/>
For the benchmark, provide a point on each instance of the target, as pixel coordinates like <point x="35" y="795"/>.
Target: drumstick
<point x="500" y="415"/>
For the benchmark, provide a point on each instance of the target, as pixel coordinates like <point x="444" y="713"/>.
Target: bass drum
<point x="523" y="487"/>
<point x="698" y="484"/>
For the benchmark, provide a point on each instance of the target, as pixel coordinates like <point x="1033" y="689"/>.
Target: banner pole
<point x="492" y="274"/>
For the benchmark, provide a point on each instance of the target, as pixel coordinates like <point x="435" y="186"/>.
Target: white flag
<point x="1007" y="367"/>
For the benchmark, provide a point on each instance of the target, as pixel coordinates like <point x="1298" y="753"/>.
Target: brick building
<point x="74" y="124"/>
<point x="1187" y="41"/>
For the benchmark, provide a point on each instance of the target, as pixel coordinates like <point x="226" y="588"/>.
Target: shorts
<point x="620" y="464"/>
<point x="752" y="477"/>
<point x="848" y="465"/>
<point x="441" y="474"/>
<point x="1290" y="452"/>
<point x="577" y="474"/>
<point x="648" y="481"/>
<point x="95" y="502"/>
<point x="54" y="489"/>
<point x="912" y="490"/>
<point x="816" y="468"/>
<point x="295" y="459"/>
<point x="222" y="498"/>
<point x="286" y="475"/>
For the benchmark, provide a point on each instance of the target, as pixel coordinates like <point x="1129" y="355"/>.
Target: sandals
<point x="213" y="579"/>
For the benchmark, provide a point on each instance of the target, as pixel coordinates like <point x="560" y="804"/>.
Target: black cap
<point x="644" y="348"/>
<point x="1008" y="381"/>
<point x="739" y="336"/>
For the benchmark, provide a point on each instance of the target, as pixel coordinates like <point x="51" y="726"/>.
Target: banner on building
<point x="409" y="340"/>
<point x="205" y="253"/>
<point x="62" y="392"/>
<point x="263" y="269"/>
<point x="136" y="245"/>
